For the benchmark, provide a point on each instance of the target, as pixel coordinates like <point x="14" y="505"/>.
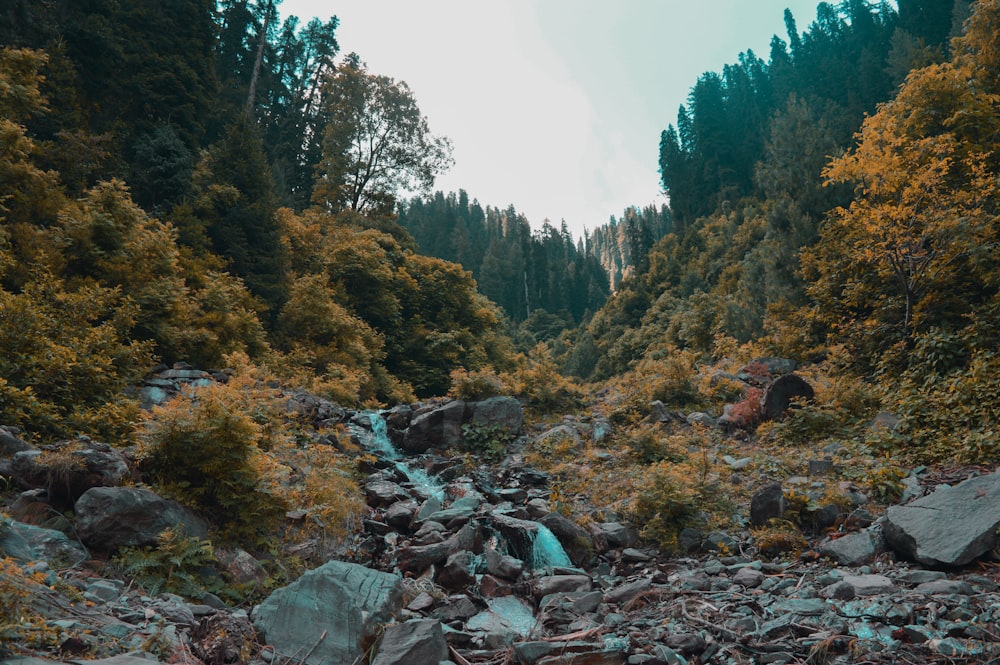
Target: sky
<point x="553" y="106"/>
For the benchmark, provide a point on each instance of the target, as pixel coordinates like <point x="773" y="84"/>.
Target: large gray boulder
<point x="109" y="518"/>
<point x="418" y="641"/>
<point x="437" y="428"/>
<point x="503" y="412"/>
<point x="33" y="543"/>
<point x="327" y="615"/>
<point x="952" y="526"/>
<point x="441" y="427"/>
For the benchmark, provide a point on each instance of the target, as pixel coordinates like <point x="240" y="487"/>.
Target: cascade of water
<point x="421" y="480"/>
<point x="546" y="550"/>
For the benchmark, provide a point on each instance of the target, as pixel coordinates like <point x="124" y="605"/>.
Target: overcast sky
<point x="554" y="106"/>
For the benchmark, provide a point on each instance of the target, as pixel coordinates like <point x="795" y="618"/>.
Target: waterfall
<point x="421" y="480"/>
<point x="546" y="551"/>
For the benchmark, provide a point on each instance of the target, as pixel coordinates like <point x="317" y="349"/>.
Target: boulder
<point x="952" y="526"/>
<point x="109" y="518"/>
<point x="779" y="394"/>
<point x="69" y="468"/>
<point x="854" y="549"/>
<point x="33" y="543"/>
<point x="437" y="428"/>
<point x="768" y="503"/>
<point x="574" y="539"/>
<point x="503" y="412"/>
<point x="326" y="616"/>
<point x="418" y="641"/>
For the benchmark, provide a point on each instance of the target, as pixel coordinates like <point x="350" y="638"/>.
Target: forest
<point x="182" y="199"/>
<point x="205" y="196"/>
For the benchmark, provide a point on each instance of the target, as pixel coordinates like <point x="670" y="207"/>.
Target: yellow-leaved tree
<point x="906" y="277"/>
<point x="914" y="250"/>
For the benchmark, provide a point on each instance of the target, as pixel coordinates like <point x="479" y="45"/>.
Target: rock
<point x="380" y="492"/>
<point x="69" y="468"/>
<point x="502" y="565"/>
<point x="935" y="587"/>
<point x="549" y="584"/>
<point x="316" y="410"/>
<point x="504" y="621"/>
<point x="418" y="558"/>
<point x="623" y="594"/>
<point x="220" y="639"/>
<point x="439" y="428"/>
<point x="459" y="571"/>
<point x="11" y="442"/>
<point x="618" y="534"/>
<point x="854" y="549"/>
<point x="768" y="503"/>
<point x="109" y="518"/>
<point x="558" y="434"/>
<point x="33" y="543"/>
<point x="701" y="418"/>
<point x="574" y="538"/>
<point x="779" y="394"/>
<point x="952" y="526"/>
<point x="240" y="566"/>
<point x="748" y="577"/>
<point x="769" y="366"/>
<point x="503" y="412"/>
<point x="419" y="641"/>
<point x="870" y="585"/>
<point x="345" y="601"/>
<point x="658" y="412"/>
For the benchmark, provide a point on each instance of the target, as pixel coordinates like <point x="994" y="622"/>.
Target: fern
<point x="175" y="564"/>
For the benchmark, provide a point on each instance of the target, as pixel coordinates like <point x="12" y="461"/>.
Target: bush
<point x="206" y="449"/>
<point x="667" y="500"/>
<point x="475" y="385"/>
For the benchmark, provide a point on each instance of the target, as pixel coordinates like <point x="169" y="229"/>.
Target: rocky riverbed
<point x="470" y="564"/>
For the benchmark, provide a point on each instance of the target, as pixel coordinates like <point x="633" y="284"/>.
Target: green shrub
<point x="175" y="564"/>
<point x="488" y="442"/>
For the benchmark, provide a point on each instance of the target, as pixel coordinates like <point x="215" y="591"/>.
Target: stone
<point x="346" y="601"/>
<point x="549" y="584"/>
<point x="779" y="395"/>
<point x="78" y="464"/>
<point x="504" y="621"/>
<point x="574" y="539"/>
<point x="503" y="565"/>
<point x="766" y="504"/>
<point x="503" y="412"/>
<point x="418" y="558"/>
<point x="439" y="428"/>
<point x="459" y="571"/>
<point x="936" y="587"/>
<point x="380" y="492"/>
<point x="618" y="534"/>
<point x="418" y="641"/>
<point x="32" y="543"/>
<point x="870" y="585"/>
<point x="748" y="577"/>
<point x="854" y="549"/>
<point x="109" y="518"/>
<point x="623" y="594"/>
<point x="952" y="526"/>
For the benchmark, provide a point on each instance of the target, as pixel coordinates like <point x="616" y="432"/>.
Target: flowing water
<point x="423" y="482"/>
<point x="546" y="551"/>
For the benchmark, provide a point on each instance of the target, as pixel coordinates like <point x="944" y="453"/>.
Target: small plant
<point x="20" y="624"/>
<point x="667" y="500"/>
<point x="488" y="442"/>
<point x="886" y="482"/>
<point x="779" y="537"/>
<point x="176" y="564"/>
<point x="747" y="413"/>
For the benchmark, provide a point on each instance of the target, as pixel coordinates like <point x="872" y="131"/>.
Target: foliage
<point x="207" y="448"/>
<point x="20" y="623"/>
<point x="487" y="442"/>
<point x="648" y="443"/>
<point x="537" y="383"/>
<point x="667" y="498"/>
<point x="475" y="385"/>
<point x="885" y="482"/>
<point x="67" y="357"/>
<point x="779" y="537"/>
<point x="175" y="565"/>
<point x="375" y="144"/>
